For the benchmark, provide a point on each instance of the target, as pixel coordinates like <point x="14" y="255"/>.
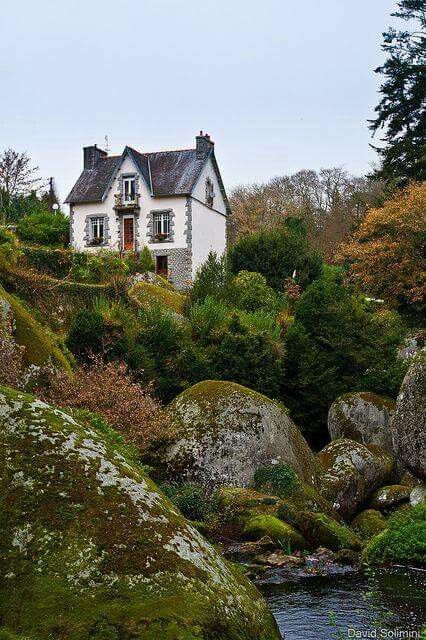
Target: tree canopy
<point x="401" y="112"/>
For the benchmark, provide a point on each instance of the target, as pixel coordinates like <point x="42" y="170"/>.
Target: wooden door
<point x="128" y="234"/>
<point x="161" y="266"/>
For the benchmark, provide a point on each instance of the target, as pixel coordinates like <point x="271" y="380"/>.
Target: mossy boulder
<point x="280" y="532"/>
<point x="92" y="549"/>
<point x="351" y="473"/>
<point x="368" y="523"/>
<point x="40" y="345"/>
<point x="409" y="480"/>
<point x="409" y="422"/>
<point x="364" y="417"/>
<point x="386" y="499"/>
<point x="403" y="541"/>
<point x="319" y="529"/>
<point x="222" y="432"/>
<point x="147" y="293"/>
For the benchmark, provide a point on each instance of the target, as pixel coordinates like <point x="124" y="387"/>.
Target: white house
<point x="174" y="202"/>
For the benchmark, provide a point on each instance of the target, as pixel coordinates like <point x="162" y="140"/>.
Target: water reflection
<point x="386" y="600"/>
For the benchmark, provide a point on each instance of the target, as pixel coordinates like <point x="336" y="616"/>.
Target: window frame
<point x="163" y="220"/>
<point x="131" y="181"/>
<point x="99" y="222"/>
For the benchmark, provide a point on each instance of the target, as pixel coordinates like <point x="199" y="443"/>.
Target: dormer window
<point x="129" y="189"/>
<point x="209" y="193"/>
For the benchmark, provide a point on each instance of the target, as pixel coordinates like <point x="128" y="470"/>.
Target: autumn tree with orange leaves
<point x="386" y="255"/>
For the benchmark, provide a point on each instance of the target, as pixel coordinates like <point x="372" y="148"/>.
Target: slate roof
<point x="167" y="173"/>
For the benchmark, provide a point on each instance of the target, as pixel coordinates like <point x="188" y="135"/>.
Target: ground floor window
<point x="161" y="266"/>
<point x="97" y="230"/>
<point x="162" y="224"/>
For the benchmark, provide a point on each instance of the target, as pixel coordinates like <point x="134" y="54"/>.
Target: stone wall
<point x="179" y="264"/>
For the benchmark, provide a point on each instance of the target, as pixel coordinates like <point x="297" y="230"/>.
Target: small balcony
<point x="125" y="204"/>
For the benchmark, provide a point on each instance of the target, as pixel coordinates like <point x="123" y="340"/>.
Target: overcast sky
<point x="280" y="85"/>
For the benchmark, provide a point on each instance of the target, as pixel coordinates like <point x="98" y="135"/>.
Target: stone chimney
<point x="92" y="155"/>
<point x="203" y="145"/>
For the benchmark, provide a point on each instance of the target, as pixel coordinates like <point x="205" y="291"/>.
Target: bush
<point x="44" y="227"/>
<point x="86" y="334"/>
<point x="211" y="280"/>
<point x="207" y="317"/>
<point x="55" y="262"/>
<point x="139" y="262"/>
<point x="404" y="540"/>
<point x="189" y="498"/>
<point x="99" y="267"/>
<point x="336" y="344"/>
<point x="9" y="247"/>
<point x="276" y="479"/>
<point x="250" y="358"/>
<point x="109" y="390"/>
<point x="277" y="254"/>
<point x="250" y="292"/>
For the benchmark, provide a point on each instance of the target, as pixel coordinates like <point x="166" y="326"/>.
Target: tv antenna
<point x="107" y="144"/>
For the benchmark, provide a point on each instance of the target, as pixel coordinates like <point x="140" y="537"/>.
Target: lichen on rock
<point x="409" y="421"/>
<point x="90" y="543"/>
<point x="222" y="432"/>
<point x="364" y="417"/>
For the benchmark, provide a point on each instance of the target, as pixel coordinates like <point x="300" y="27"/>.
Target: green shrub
<point x="86" y="334"/>
<point x="99" y="267"/>
<point x="276" y="479"/>
<point x="139" y="262"/>
<point x="250" y="292"/>
<point x="189" y="498"/>
<point x="404" y="540"/>
<point x="211" y="280"/>
<point x="261" y="321"/>
<point x="336" y="344"/>
<point x="207" y="317"/>
<point x="246" y="357"/>
<point x="277" y="254"/>
<point x="56" y="262"/>
<point x="9" y="247"/>
<point x="44" y="227"/>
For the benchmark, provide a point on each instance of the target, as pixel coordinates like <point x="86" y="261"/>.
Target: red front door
<point x="128" y="234"/>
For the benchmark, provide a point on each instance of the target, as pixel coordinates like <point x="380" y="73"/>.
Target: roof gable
<point x="166" y="173"/>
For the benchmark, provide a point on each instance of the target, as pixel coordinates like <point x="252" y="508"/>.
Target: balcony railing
<point x="123" y="203"/>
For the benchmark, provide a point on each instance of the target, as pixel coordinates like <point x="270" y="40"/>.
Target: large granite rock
<point x="364" y="417"/>
<point x="222" y="432"/>
<point x="409" y="422"/>
<point x="91" y="549"/>
<point x="351" y="473"/>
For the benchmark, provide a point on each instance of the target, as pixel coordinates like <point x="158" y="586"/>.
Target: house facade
<point x="173" y="202"/>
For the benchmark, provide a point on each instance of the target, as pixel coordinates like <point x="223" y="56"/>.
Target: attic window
<point x="129" y="189"/>
<point x="209" y="193"/>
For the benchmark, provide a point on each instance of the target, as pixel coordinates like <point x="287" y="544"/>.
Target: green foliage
<point x="337" y="343"/>
<point x="190" y="499"/>
<point x="86" y="334"/>
<point x="13" y="208"/>
<point x="44" y="227"/>
<point x="9" y="247"/>
<point x="250" y="292"/>
<point x="276" y="479"/>
<point x="404" y="540"/>
<point x="211" y="280"/>
<point x="401" y="111"/>
<point x="56" y="262"/>
<point x="262" y="322"/>
<point x="207" y="317"/>
<point x="247" y="357"/>
<point x="276" y="255"/>
<point x="139" y="262"/>
<point x="97" y="267"/>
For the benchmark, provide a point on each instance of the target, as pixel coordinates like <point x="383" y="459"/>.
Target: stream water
<point x="387" y="603"/>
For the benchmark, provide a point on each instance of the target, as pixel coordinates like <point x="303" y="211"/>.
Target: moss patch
<point x="40" y="346"/>
<point x="91" y="549"/>
<point x="368" y="523"/>
<point x="280" y="532"/>
<point x="146" y="293"/>
<point x="386" y="499"/>
<point x="403" y="541"/>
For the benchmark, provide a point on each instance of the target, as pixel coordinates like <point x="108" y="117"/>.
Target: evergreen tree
<point x="401" y="111"/>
